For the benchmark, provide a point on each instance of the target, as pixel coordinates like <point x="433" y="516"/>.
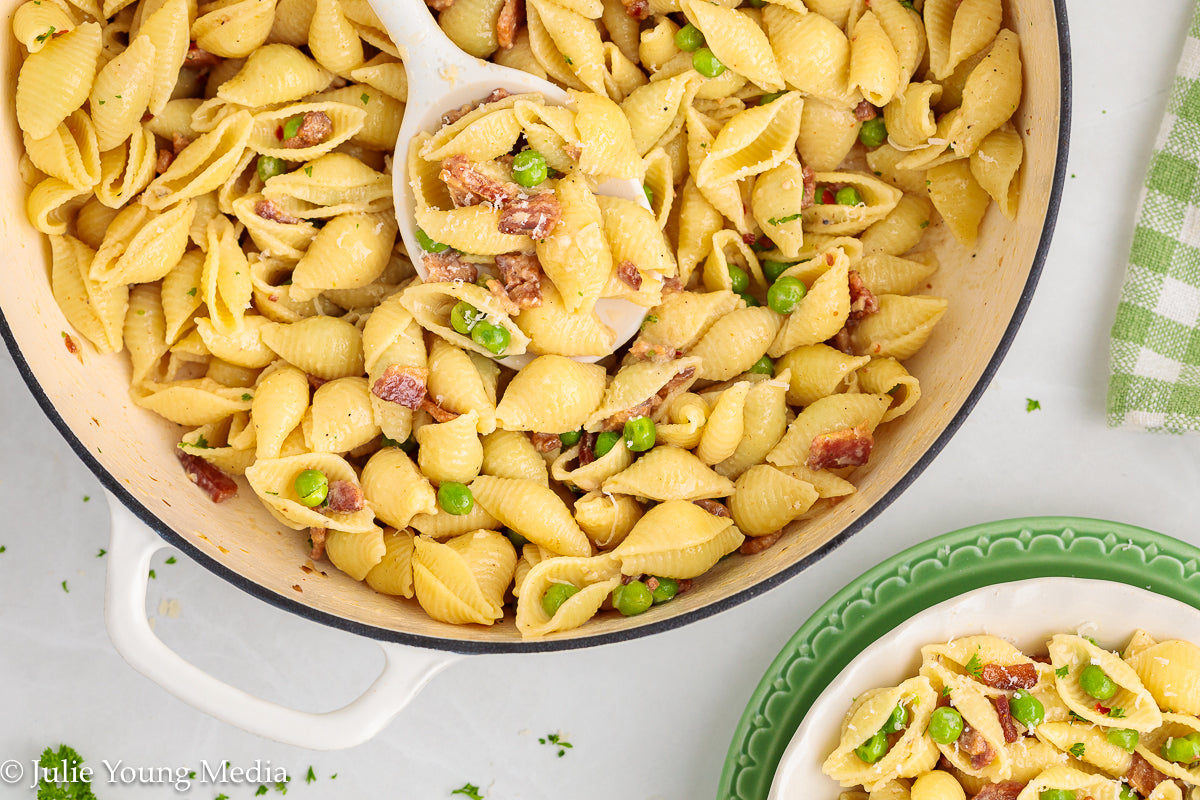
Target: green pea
<point x="707" y="64"/>
<point x="1126" y="793"/>
<point x="312" y="486"/>
<point x="1026" y="709"/>
<point x="464" y="317"/>
<point x="785" y="294"/>
<point x="269" y="167"/>
<point x="649" y="194"/>
<point x="1056" y="794"/>
<point x="945" y="725"/>
<point x="689" y="39"/>
<point x="493" y="338"/>
<point x="738" y="279"/>
<point x="556" y="595"/>
<point x="847" y="196"/>
<point x="292" y="126"/>
<point x="639" y="434"/>
<point x="666" y="590"/>
<point x="429" y="245"/>
<point x="1181" y="750"/>
<point x="764" y="366"/>
<point x="518" y="541"/>
<point x="898" y="720"/>
<point x="409" y="445"/>
<point x="1094" y="681"/>
<point x="907" y="4"/>
<point x="873" y="132"/>
<point x="750" y="300"/>
<point x="1124" y="738"/>
<point x="770" y="97"/>
<point x="570" y="438"/>
<point x="529" y="168"/>
<point x="756" y="3"/>
<point x="455" y="498"/>
<point x="605" y="442"/>
<point x="773" y="269"/>
<point x="872" y="749"/>
<point x="632" y="598"/>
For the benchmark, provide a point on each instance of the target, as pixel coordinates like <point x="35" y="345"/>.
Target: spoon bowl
<point x="442" y="78"/>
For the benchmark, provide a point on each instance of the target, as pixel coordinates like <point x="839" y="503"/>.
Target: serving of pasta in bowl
<point x="843" y="210"/>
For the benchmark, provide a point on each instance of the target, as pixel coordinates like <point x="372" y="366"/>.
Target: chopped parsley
<point x="261" y="790"/>
<point x="170" y="560"/>
<point x="192" y="292"/>
<point x="1076" y="749"/>
<point x="281" y="786"/>
<point x="782" y="220"/>
<point x="41" y="38"/>
<point x="311" y="776"/>
<point x="308" y="171"/>
<point x="1116" y="713"/>
<point x="470" y="790"/>
<point x="1032" y="405"/>
<point x="102" y="553"/>
<point x="366" y="98"/>
<point x="87" y="497"/>
<point x="945" y="691"/>
<point x="74" y="783"/>
<point x="222" y="797"/>
<point x="247" y="397"/>
<point x="568" y="60"/>
<point x="1062" y="671"/>
<point x="556" y="740"/>
<point x="3" y="548"/>
<point x="1076" y="718"/>
<point x="64" y="587"/>
<point x="649" y="320"/>
<point x="974" y="666"/>
<point x="924" y="224"/>
<point x="152" y="575"/>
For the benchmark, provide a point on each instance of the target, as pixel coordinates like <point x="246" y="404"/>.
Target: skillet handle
<point x="406" y="669"/>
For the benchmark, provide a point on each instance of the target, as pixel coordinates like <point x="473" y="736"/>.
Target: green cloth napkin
<point x="1155" y="381"/>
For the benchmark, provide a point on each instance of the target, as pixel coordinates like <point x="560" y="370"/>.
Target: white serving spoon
<point x="441" y="78"/>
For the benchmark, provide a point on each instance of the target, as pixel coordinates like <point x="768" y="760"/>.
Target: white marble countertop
<point x="651" y="718"/>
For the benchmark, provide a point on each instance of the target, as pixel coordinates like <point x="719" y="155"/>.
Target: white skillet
<point x="441" y="77"/>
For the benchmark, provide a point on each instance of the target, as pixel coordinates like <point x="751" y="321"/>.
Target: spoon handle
<point x="429" y="56"/>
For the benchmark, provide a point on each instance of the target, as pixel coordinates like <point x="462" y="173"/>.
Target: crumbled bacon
<point x="756" y="544"/>
<point x="501" y="294"/>
<point x="573" y="151"/>
<point x="163" y="162"/>
<point x="1005" y="790"/>
<point x="317" y="537"/>
<point x="973" y="744"/>
<point x="437" y="412"/>
<point x="345" y="497"/>
<point x="532" y="216"/>
<point x="865" y="111"/>
<point x="587" y="448"/>
<point x="511" y="15"/>
<point x="546" y="442"/>
<point x="717" y="509"/>
<point x="267" y="209"/>
<point x="862" y="302"/>
<point x="681" y="377"/>
<point x="314" y="129"/>
<point x="200" y="59"/>
<point x="448" y="266"/>
<point x="643" y="409"/>
<point x="1142" y="776"/>
<point x="522" y="276"/>
<point x="842" y="341"/>
<point x="402" y="385"/>
<point x="179" y="142"/>
<point x="642" y="350"/>
<point x="314" y="382"/>
<point x="1012" y="676"/>
<point x="70" y="344"/>
<point x="637" y="9"/>
<point x="451" y="117"/>
<point x="848" y="447"/>
<point x="810" y="187"/>
<point x="468" y="186"/>
<point x="673" y="284"/>
<point x="1004" y="714"/>
<point x="216" y="484"/>
<point x="628" y="274"/>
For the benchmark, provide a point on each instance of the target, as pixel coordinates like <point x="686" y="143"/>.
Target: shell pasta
<point x="215" y="184"/>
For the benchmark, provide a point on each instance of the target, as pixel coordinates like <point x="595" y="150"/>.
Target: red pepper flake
<point x="279" y="132"/>
<point x="1102" y="709"/>
<point x="69" y="343"/>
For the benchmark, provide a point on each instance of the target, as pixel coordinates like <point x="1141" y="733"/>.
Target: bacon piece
<point x="200" y="59"/>
<point x="1013" y="676"/>
<point x="216" y="484"/>
<point x="637" y="9"/>
<point x="498" y="291"/>
<point x="178" y="142"/>
<point x="402" y="385"/>
<point x="436" y="411"/>
<point x="70" y="344"/>
<point x="439" y="5"/>
<point x="587" y="448"/>
<point x="317" y="537"/>
<point x="628" y="274"/>
<point x="643" y="409"/>
<point x="1005" y="790"/>
<point x="976" y="747"/>
<point x="315" y="128"/>
<point x="680" y="378"/>
<point x="862" y="302"/>
<point x="756" y="544"/>
<point x="532" y="216"/>
<point x="1142" y="776"/>
<point x="865" y="111"/>
<point x="810" y="187"/>
<point x="673" y="284"/>
<point x="642" y="350"/>
<point x="165" y="157"/>
<point x="842" y="341"/>
<point x="1006" y="720"/>
<point x="451" y="117"/>
<point x="546" y="442"/>
<point x="522" y="276"/>
<point x="511" y="15"/>
<point x="848" y="447"/>
<point x="713" y="507"/>
<point x="448" y="266"/>
<point x="314" y="382"/>
<point x="468" y="186"/>
<point x="573" y="151"/>
<point x="267" y="209"/>
<point x="345" y="497"/>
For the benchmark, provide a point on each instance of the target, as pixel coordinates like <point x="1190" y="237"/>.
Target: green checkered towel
<point x="1155" y="382"/>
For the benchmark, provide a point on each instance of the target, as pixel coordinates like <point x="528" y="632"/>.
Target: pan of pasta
<point x="846" y="207"/>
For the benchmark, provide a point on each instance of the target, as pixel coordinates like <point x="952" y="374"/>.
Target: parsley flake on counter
<point x="170" y="560"/>
<point x="261" y="790"/>
<point x="470" y="790"/>
<point x="87" y="497"/>
<point x="281" y="786"/>
<point x="3" y="548"/>
<point x="222" y="797"/>
<point x="65" y="589"/>
<point x="152" y="575"/>
<point x="1032" y="405"/>
<point x="311" y="776"/>
<point x="556" y="740"/>
<point x="102" y="553"/>
<point x="66" y="767"/>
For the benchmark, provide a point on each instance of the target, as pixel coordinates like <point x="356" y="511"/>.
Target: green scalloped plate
<point x="923" y="576"/>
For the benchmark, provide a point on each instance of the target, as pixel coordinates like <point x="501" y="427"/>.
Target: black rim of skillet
<point x="526" y="646"/>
